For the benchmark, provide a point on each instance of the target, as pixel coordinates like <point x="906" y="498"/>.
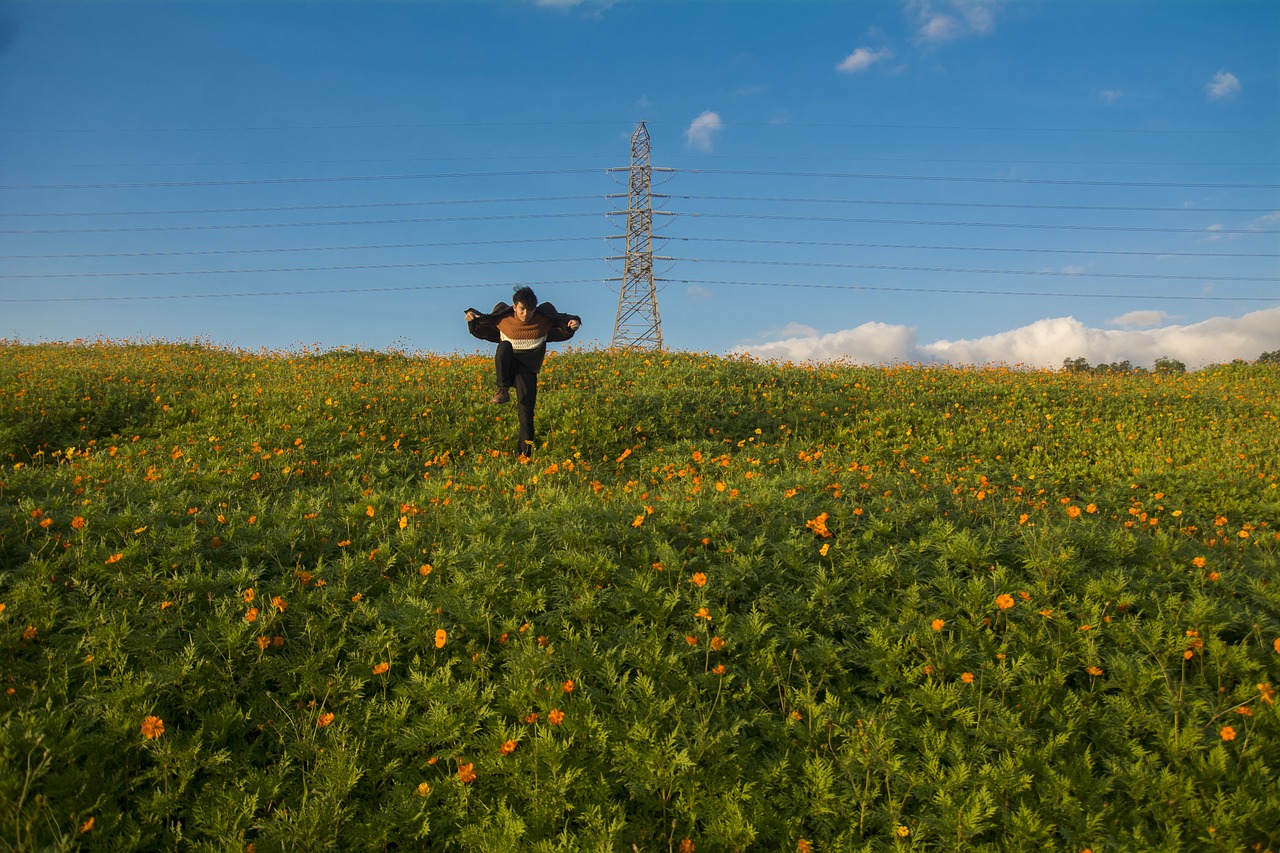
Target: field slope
<point x="310" y="601"/>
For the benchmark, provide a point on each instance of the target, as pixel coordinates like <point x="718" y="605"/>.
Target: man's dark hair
<point x="524" y="296"/>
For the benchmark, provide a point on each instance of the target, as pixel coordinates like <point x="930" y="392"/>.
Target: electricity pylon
<point x="638" y="325"/>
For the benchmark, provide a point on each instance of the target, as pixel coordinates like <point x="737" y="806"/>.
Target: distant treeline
<point x="1162" y="365"/>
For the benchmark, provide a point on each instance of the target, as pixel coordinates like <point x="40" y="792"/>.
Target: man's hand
<point x="573" y="325"/>
<point x="471" y="315"/>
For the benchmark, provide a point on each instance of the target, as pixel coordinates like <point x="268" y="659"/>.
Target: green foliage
<point x="737" y="603"/>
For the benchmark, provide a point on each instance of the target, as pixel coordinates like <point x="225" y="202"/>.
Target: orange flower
<point x="1094" y="670"/>
<point x="1004" y="601"/>
<point x="423" y="789"/>
<point x="1268" y="693"/>
<point x="507" y="748"/>
<point x="937" y="624"/>
<point x="368" y="510"/>
<point x="1198" y="562"/>
<point x="819" y="525"/>
<point x="86" y="826"/>
<point x="1276" y="645"/>
<point x="716" y="644"/>
<point x="29" y="632"/>
<point x="381" y="668"/>
<point x="703" y="614"/>
<point x="803" y="846"/>
<point x="263" y="642"/>
<point x="567" y="687"/>
<point x="556" y="717"/>
<point x="718" y="669"/>
<point x="686" y="846"/>
<point x="114" y="558"/>
<point x="324" y="719"/>
<point x="355" y="599"/>
<point x="441" y="637"/>
<point x="152" y="727"/>
<point x="700" y="579"/>
<point x="278" y="603"/>
<point x="1073" y="512"/>
<point x="691" y="640"/>
<point x="1227" y="733"/>
<point x="903" y="832"/>
<point x="467" y="773"/>
<point x="251" y="615"/>
<point x="531" y="718"/>
<point x="638" y="520"/>
<point x="248" y="595"/>
<point x="966" y="677"/>
<point x="424" y="569"/>
<point x="78" y="523"/>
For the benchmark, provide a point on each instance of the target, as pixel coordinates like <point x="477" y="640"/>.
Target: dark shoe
<point x="503" y="396"/>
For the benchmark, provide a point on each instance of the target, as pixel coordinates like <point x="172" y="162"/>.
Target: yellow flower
<point x="824" y="549"/>
<point x="152" y="727"/>
<point x="423" y="789"/>
<point x="903" y="832"/>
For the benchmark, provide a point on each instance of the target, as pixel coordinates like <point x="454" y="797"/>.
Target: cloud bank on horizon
<point x="1044" y="343"/>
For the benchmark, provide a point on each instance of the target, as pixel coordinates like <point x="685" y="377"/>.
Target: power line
<point x="771" y="125"/>
<point x="927" y="247"/>
<point x="274" y="249"/>
<point x="861" y="287"/>
<point x="974" y="204"/>
<point x="980" y="180"/>
<point x="896" y="268"/>
<point x="243" y="225"/>
<point x="315" y="179"/>
<point x="1051" y="227"/>
<point x="423" y="264"/>
<point x="341" y="290"/>
<point x="545" y="172"/>
<point x="970" y="292"/>
<point x="738" y="240"/>
<point x="543" y="199"/>
<point x="282" y="208"/>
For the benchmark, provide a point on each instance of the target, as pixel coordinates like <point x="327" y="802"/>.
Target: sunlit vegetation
<point x="311" y="601"/>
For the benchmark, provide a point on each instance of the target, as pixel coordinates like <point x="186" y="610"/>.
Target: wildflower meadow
<point x="311" y="601"/>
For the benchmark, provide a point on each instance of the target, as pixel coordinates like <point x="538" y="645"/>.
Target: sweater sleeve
<point x="560" y="330"/>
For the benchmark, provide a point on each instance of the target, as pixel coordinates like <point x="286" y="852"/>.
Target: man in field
<point x="521" y="331"/>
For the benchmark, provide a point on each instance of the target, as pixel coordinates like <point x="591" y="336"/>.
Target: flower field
<point x="311" y="601"/>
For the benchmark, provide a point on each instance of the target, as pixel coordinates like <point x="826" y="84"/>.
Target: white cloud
<point x="1223" y="85"/>
<point x="697" y="291"/>
<point x="1044" y="343"/>
<point x="952" y="19"/>
<point x="862" y="59"/>
<point x="1140" y="319"/>
<point x="1110" y="96"/>
<point x="701" y="129"/>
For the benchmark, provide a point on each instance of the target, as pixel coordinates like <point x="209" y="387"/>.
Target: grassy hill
<point x="311" y="601"/>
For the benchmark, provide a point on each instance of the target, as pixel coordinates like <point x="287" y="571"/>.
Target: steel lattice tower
<point x="638" y="325"/>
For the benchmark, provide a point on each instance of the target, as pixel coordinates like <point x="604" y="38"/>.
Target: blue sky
<point x="879" y="181"/>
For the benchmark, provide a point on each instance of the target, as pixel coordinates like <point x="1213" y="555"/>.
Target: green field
<point x="310" y="601"/>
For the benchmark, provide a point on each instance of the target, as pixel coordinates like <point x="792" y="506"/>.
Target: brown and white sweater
<point x="529" y="339"/>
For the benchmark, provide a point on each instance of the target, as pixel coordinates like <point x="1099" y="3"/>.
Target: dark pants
<point x="514" y="371"/>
